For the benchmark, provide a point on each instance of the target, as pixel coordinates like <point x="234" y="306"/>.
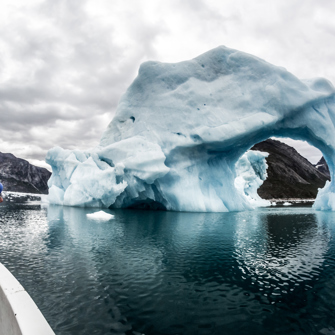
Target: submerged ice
<point x="180" y="133"/>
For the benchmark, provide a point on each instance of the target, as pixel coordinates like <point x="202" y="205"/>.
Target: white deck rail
<point x="19" y="315"/>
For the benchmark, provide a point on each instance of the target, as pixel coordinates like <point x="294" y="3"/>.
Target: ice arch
<point x="180" y="128"/>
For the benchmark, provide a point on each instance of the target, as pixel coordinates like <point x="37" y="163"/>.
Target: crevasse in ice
<point x="180" y="130"/>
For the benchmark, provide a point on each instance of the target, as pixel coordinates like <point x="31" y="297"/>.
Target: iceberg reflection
<point x="278" y="250"/>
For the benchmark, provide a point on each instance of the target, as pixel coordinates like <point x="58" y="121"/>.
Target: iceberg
<point x="180" y="131"/>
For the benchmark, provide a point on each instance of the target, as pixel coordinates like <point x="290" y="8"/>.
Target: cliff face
<point x="322" y="166"/>
<point x="289" y="174"/>
<point x="18" y="175"/>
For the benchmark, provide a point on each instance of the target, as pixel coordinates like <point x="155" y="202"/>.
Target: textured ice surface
<point x="251" y="173"/>
<point x="326" y="197"/>
<point x="180" y="129"/>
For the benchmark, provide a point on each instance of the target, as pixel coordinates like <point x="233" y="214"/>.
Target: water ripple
<point x="261" y="272"/>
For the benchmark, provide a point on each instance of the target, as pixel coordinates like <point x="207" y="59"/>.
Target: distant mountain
<point x="289" y="174"/>
<point x="18" y="175"/>
<point x="322" y="166"/>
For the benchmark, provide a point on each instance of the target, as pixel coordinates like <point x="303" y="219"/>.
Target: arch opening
<point x="281" y="170"/>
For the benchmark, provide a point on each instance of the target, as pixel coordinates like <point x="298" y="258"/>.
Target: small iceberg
<point x="286" y="203"/>
<point x="101" y="215"/>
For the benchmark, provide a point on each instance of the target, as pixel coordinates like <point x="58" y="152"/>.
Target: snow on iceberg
<point x="180" y="129"/>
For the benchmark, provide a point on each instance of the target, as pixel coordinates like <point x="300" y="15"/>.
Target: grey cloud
<point x="75" y="72"/>
<point x="68" y="69"/>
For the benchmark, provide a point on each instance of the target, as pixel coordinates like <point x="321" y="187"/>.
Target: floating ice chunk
<point x="101" y="215"/>
<point x="286" y="203"/>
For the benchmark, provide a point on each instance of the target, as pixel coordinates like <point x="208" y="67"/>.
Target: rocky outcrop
<point x="18" y="175"/>
<point x="289" y="174"/>
<point x="322" y="166"/>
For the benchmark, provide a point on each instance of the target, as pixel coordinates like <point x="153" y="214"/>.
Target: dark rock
<point x="18" y="175"/>
<point x="322" y="166"/>
<point x="289" y="174"/>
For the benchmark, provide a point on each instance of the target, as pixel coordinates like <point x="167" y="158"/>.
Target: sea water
<point x="268" y="271"/>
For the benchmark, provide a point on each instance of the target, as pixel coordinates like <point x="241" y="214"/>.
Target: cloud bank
<point x="65" y="64"/>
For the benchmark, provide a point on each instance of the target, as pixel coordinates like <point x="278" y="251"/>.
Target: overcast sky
<point x="65" y="64"/>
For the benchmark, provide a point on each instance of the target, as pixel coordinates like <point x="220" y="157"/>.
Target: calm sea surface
<point x="268" y="271"/>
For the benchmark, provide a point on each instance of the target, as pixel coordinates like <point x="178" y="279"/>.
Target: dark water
<point x="270" y="271"/>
